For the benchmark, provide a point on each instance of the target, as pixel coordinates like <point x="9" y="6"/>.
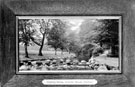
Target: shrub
<point x="97" y="50"/>
<point x="85" y="52"/>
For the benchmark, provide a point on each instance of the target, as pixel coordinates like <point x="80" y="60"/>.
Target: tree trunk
<point x="40" y="50"/>
<point x="26" y="51"/>
<point x="69" y="52"/>
<point x="41" y="47"/>
<point x="61" y="52"/>
<point x="113" y="50"/>
<point x="101" y="44"/>
<point x="55" y="51"/>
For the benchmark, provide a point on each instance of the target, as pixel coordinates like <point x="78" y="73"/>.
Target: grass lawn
<point x="46" y="54"/>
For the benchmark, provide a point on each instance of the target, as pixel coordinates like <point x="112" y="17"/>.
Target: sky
<point x="74" y="24"/>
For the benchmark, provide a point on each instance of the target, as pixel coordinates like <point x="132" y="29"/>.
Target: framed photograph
<point x="68" y="44"/>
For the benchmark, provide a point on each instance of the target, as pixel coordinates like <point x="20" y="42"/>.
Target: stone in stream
<point x="47" y="62"/>
<point x="44" y="68"/>
<point x="81" y="67"/>
<point x="39" y="63"/>
<point x="39" y="67"/>
<point x="83" y="62"/>
<point x="92" y="60"/>
<point x="96" y="67"/>
<point x="33" y="62"/>
<point x="109" y="67"/>
<point x="74" y="67"/>
<point x="53" y="62"/>
<point x="88" y="63"/>
<point x="61" y="61"/>
<point x="52" y="67"/>
<point x="75" y="61"/>
<point x="102" y="67"/>
<point x="33" y="68"/>
<point x="66" y="67"/>
<point x="23" y="67"/>
<point x="21" y="63"/>
<point x="29" y="63"/>
<point x="80" y="64"/>
<point x="88" y="68"/>
<point x="60" y="67"/>
<point x="68" y="62"/>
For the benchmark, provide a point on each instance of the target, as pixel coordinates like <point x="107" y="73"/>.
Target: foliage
<point x="103" y="33"/>
<point x="25" y="32"/>
<point x="56" y="35"/>
<point x="85" y="52"/>
<point x="44" y="27"/>
<point x="97" y="51"/>
<point x="107" y="32"/>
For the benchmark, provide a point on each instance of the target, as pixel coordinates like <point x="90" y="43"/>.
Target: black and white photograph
<point x="68" y="44"/>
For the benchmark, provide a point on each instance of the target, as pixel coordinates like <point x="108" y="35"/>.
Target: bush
<point x="97" y="51"/>
<point x="86" y="52"/>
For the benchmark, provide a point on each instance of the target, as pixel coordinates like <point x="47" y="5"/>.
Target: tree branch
<point x="35" y="41"/>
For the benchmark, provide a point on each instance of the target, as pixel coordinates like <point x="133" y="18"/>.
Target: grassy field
<point x="46" y="54"/>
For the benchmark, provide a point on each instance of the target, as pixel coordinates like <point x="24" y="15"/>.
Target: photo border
<point x="74" y="71"/>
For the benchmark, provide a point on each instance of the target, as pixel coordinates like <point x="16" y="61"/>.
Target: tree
<point x="85" y="51"/>
<point x="71" y="46"/>
<point x="72" y="41"/>
<point x="62" y="45"/>
<point x="53" y="39"/>
<point x="56" y="35"/>
<point x="107" y="34"/>
<point x="44" y="29"/>
<point x="87" y="30"/>
<point x="25" y="32"/>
